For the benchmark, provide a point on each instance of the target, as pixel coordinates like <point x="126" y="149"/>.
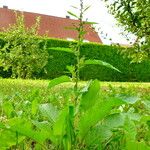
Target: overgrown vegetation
<point x="59" y="58"/>
<point x="75" y="117"/>
<point x="30" y="113"/>
<point x="10" y="87"/>
<point x="134" y="16"/>
<point x="20" y="53"/>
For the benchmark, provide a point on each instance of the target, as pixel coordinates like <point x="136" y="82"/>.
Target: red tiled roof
<point x="55" y="26"/>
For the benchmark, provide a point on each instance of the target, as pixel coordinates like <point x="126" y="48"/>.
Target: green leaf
<point x="75" y="7"/>
<point x="24" y="128"/>
<point x="133" y="145"/>
<point x="85" y="9"/>
<point x="97" y="135"/>
<point x="72" y="14"/>
<point x="114" y="120"/>
<point x="99" y="62"/>
<point x="58" y="81"/>
<point x="8" y="139"/>
<point x="145" y="118"/>
<point x="34" y="106"/>
<point x="8" y="108"/>
<point x="49" y="111"/>
<point x="46" y="127"/>
<point x="130" y="99"/>
<point x="96" y="113"/>
<point x="130" y="129"/>
<point x="119" y="119"/>
<point x="90" y="96"/>
<point x="60" y="124"/>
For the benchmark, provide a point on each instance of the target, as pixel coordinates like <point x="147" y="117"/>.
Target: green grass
<point x="20" y="99"/>
<point x="9" y="87"/>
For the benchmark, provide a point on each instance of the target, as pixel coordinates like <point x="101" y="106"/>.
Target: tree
<point x="134" y="16"/>
<point x="22" y="52"/>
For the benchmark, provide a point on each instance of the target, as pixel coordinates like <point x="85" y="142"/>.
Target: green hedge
<point x="58" y="60"/>
<point x="57" y="63"/>
<point x="129" y="71"/>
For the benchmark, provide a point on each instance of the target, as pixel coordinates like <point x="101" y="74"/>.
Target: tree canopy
<point x="134" y="16"/>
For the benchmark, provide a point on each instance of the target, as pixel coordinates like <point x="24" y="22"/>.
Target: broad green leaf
<point x="71" y="69"/>
<point x="118" y="119"/>
<point x="133" y="116"/>
<point x="97" y="135"/>
<point x="72" y="14"/>
<point x="145" y="118"/>
<point x="49" y="111"/>
<point x="147" y="104"/>
<point x="114" y="120"/>
<point x="133" y="145"/>
<point x="130" y="99"/>
<point x="130" y="129"/>
<point x="24" y="128"/>
<point x="60" y="124"/>
<point x="46" y="127"/>
<point x="8" y="139"/>
<point x="58" y="81"/>
<point x="8" y="108"/>
<point x="99" y="62"/>
<point x="2" y="125"/>
<point x="98" y="112"/>
<point x="34" y="106"/>
<point x="89" y="97"/>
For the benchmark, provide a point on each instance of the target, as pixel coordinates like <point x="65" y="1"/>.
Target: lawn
<point x="9" y="86"/>
<point x="25" y="88"/>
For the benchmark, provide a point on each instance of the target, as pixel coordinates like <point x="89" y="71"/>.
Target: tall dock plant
<point x="68" y="128"/>
<point x="80" y="62"/>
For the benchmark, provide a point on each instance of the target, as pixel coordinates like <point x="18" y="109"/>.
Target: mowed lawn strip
<point x="9" y="86"/>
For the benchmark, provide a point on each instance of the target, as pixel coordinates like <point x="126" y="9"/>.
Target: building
<point x="55" y="27"/>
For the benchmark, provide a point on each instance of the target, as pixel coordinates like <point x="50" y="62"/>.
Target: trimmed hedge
<point x="111" y="54"/>
<point x="58" y="60"/>
<point x="57" y="63"/>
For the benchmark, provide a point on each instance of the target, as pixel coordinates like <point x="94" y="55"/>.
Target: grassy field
<point x="26" y="104"/>
<point x="11" y="86"/>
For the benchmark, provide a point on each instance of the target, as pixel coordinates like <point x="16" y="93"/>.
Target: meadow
<point x="115" y="115"/>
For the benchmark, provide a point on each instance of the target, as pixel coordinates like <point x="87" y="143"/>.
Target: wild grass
<point x="29" y="99"/>
<point x="9" y="87"/>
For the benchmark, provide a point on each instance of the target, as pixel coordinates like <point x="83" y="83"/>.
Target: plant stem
<point x="77" y="50"/>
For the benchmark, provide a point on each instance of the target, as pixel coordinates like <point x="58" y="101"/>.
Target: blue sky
<point x="97" y="13"/>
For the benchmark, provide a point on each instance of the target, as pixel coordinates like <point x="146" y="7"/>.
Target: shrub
<point x="20" y="53"/>
<point x="58" y="60"/>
